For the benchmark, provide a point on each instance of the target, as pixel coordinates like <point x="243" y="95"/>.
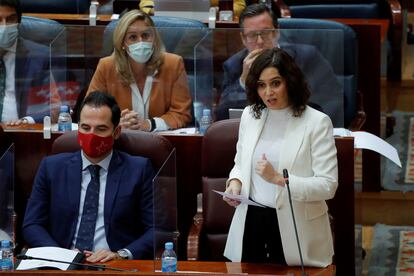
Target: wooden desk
<point x="72" y="19"/>
<point x="192" y="268"/>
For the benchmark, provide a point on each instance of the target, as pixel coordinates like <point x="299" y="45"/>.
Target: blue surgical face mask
<point x="141" y="52"/>
<point x="8" y="35"/>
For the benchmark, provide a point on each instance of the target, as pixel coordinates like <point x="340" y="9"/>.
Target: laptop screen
<point x="235" y="113"/>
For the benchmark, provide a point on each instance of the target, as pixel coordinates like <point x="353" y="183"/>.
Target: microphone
<point x="97" y="267"/>
<point x="286" y="177"/>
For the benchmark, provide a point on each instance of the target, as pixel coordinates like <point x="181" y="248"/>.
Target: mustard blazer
<point x="308" y="152"/>
<point x="170" y="96"/>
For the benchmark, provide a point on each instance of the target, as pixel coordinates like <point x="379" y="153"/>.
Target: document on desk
<point x="52" y="253"/>
<point x="242" y="199"/>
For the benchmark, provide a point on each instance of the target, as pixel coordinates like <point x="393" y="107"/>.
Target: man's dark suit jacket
<point x="53" y="207"/>
<point x="32" y="79"/>
<point x="321" y="78"/>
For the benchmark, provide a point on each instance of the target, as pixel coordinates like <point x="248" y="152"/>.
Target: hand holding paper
<point x="242" y="199"/>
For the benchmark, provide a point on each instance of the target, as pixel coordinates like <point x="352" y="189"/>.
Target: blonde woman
<point x="149" y="84"/>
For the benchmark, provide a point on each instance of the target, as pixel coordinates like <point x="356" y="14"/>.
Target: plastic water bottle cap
<point x="64" y="108"/>
<point x="206" y="112"/>
<point x="5" y="243"/>
<point x="169" y="245"/>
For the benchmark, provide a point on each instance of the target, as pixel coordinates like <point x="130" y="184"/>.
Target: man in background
<point x="258" y="31"/>
<point x="24" y="71"/>
<point x="97" y="200"/>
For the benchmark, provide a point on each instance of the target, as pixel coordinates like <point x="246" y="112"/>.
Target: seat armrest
<point x="193" y="241"/>
<point x="396" y="15"/>
<point x="284" y="10"/>
<point x="361" y="116"/>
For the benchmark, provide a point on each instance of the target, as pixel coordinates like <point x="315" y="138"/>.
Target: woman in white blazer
<point x="279" y="131"/>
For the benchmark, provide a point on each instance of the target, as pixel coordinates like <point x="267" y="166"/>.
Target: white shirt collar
<point x="103" y="164"/>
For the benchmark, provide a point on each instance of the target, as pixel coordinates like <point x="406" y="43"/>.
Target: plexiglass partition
<point x="165" y="208"/>
<point x="7" y="213"/>
<point x="318" y="53"/>
<point x="74" y="55"/>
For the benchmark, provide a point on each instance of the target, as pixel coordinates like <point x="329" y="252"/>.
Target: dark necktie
<point x="86" y="231"/>
<point x="2" y="82"/>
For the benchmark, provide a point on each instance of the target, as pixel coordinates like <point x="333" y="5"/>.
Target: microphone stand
<point x="26" y="257"/>
<point x="286" y="176"/>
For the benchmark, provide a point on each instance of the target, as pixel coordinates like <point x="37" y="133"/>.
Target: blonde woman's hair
<point x="120" y="52"/>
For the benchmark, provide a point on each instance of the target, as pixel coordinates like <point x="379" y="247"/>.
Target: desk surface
<point x="195" y="267"/>
<point x="76" y="19"/>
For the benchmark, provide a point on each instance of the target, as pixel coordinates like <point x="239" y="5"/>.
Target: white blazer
<point x="309" y="154"/>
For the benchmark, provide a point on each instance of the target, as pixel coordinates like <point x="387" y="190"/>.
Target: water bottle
<point x="6" y="256"/>
<point x="64" y="120"/>
<point x="205" y="120"/>
<point x="169" y="259"/>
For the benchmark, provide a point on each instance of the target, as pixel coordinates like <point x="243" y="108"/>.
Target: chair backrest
<point x="218" y="151"/>
<point x="338" y="8"/>
<point x="40" y="30"/>
<point x="346" y="68"/>
<point x="155" y="147"/>
<point x="55" y="6"/>
<point x="172" y="30"/>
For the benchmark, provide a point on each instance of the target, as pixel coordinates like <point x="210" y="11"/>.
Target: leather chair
<point x="55" y="6"/>
<point x="40" y="30"/>
<point x="155" y="147"/>
<point x="370" y="9"/>
<point x="208" y="234"/>
<point x="346" y="69"/>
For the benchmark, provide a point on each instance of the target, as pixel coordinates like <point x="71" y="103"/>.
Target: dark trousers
<point x="261" y="240"/>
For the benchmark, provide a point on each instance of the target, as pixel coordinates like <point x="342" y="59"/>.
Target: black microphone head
<point x="285" y="173"/>
<point x="21" y="257"/>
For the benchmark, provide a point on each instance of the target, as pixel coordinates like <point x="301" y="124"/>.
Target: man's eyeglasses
<point x="266" y="35"/>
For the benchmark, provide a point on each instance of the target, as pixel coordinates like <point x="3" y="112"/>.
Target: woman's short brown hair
<point x="298" y="91"/>
<point x="120" y="52"/>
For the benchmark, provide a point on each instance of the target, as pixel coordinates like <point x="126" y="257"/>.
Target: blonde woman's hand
<point x="266" y="171"/>
<point x="130" y="119"/>
<point x="233" y="188"/>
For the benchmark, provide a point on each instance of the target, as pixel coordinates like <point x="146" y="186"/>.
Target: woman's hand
<point x="131" y="120"/>
<point x="268" y="173"/>
<point x="234" y="188"/>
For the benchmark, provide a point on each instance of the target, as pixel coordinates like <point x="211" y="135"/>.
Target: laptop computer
<point x="235" y="113"/>
<point x="193" y="9"/>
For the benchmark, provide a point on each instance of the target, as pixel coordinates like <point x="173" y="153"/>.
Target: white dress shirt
<point x="9" y="103"/>
<point x="140" y="104"/>
<point x="99" y="241"/>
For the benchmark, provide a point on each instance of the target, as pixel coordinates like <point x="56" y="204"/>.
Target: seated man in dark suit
<point x="63" y="209"/>
<point x="259" y="31"/>
<point x="24" y="71"/>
